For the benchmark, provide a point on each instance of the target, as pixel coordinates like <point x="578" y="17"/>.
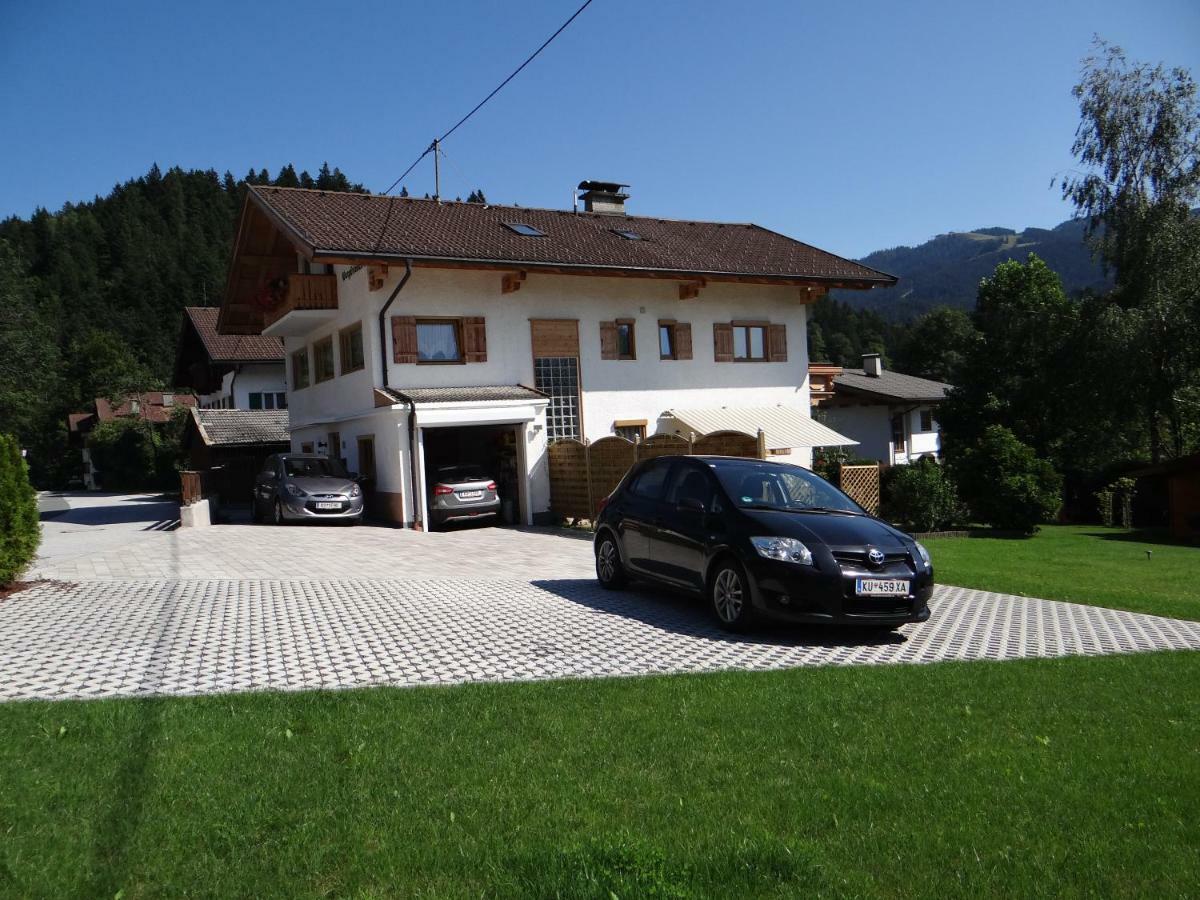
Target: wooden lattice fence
<point x="583" y="474"/>
<point x="862" y="484"/>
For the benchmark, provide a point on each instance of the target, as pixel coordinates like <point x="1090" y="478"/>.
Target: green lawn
<point x="1081" y="563"/>
<point x="1073" y="777"/>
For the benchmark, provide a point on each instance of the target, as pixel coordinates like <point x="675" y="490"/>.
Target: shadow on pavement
<point x="687" y="614"/>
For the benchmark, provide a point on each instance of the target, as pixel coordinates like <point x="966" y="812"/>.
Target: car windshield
<point x="312" y="467"/>
<point x="780" y="487"/>
<point x="460" y="473"/>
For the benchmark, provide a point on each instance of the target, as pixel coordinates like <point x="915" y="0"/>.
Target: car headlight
<point x="295" y="491"/>
<point x="784" y="549"/>
<point x="924" y="554"/>
<point x="355" y="491"/>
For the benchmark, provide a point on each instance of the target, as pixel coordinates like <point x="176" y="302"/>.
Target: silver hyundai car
<point x="295" y="487"/>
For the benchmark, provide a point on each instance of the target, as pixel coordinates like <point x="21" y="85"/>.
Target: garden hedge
<point x="20" y="530"/>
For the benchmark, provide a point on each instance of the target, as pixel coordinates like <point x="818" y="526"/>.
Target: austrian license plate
<point x="881" y="587"/>
<point x="328" y="505"/>
<point x="469" y="495"/>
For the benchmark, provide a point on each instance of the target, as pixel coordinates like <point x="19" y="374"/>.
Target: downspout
<point x="237" y="370"/>
<point x="412" y="407"/>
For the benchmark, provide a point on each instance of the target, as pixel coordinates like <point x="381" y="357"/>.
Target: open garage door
<point x="461" y="464"/>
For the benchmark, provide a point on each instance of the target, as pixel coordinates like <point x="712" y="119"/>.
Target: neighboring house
<point x="229" y="371"/>
<point x="156" y="407"/>
<point x="421" y="333"/>
<point x="892" y="416"/>
<point x="231" y="446"/>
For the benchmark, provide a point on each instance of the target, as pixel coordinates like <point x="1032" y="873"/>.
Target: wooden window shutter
<point x="683" y="340"/>
<point x="722" y="342"/>
<point x="475" y="338"/>
<point x="608" y="340"/>
<point x="404" y="339"/>
<point x="777" y="343"/>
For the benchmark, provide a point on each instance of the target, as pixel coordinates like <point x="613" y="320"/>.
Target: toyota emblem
<point x="875" y="555"/>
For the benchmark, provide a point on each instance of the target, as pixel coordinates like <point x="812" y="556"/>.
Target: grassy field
<point x="1084" y="564"/>
<point x="1073" y="777"/>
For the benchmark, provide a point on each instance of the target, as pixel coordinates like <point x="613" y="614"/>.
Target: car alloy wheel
<point x="609" y="570"/>
<point x="729" y="599"/>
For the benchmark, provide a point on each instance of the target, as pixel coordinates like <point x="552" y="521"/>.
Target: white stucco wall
<point x="922" y="443"/>
<point x="239" y="383"/>
<point x="871" y="426"/>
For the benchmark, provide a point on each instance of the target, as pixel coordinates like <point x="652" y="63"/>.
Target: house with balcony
<point x="421" y="333"/>
<point x="892" y="416"/>
<point x="239" y="371"/>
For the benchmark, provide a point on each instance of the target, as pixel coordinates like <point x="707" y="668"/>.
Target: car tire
<point x="277" y="514"/>
<point x="610" y="572"/>
<point x="729" y="596"/>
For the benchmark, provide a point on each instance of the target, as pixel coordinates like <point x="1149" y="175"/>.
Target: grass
<point x="1072" y="777"/>
<point x="1083" y="564"/>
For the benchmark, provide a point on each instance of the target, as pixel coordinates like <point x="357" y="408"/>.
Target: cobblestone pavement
<point x="111" y="638"/>
<point x="145" y="611"/>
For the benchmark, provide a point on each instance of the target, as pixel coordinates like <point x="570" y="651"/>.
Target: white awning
<point x="784" y="426"/>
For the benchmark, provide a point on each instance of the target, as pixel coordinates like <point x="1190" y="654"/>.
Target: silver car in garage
<point x="461" y="492"/>
<point x="296" y="487"/>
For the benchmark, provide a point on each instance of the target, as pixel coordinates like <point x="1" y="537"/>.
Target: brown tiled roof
<point x="79" y="421"/>
<point x="372" y="226"/>
<point x="231" y="348"/>
<point x="150" y="406"/>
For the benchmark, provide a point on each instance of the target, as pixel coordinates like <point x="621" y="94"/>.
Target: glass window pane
<point x="437" y="342"/>
<point x="281" y="401"/>
<point x="665" y="347"/>
<point x="624" y="339"/>
<point x="757" y="342"/>
<point x="256" y="400"/>
<point x="739" y="342"/>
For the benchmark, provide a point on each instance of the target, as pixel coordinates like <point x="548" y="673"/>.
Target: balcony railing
<point x="304" y="292"/>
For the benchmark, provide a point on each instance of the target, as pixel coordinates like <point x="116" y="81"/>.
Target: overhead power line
<point x="515" y="72"/>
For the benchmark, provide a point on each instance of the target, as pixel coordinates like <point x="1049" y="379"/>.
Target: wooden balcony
<point x="308" y="301"/>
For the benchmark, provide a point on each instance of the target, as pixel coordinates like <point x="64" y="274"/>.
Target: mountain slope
<point x="946" y="270"/>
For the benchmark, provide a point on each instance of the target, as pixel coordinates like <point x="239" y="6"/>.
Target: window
<point x="690" y="483"/>
<point x="927" y="420"/>
<point x="323" y="360"/>
<point x="558" y="378"/>
<point x="256" y="400"/>
<point x="438" y="341"/>
<point x="898" y="433"/>
<point x="626" y="349"/>
<point x="750" y="342"/>
<point x="281" y="400"/>
<point x="752" y="483"/>
<point x="630" y="429"/>
<point x="300" y="369"/>
<point x="628" y="235"/>
<point x="649" y="482"/>
<point x="306" y="447"/>
<point x="666" y="341"/>
<point x="268" y="400"/>
<point x="351" y="340"/>
<point x="523" y="229"/>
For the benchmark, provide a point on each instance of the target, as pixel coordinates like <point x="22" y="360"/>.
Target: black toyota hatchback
<point x="760" y="539"/>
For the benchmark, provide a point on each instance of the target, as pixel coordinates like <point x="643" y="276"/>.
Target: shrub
<point x="1005" y="484"/>
<point x="134" y="455"/>
<point x="20" y="530"/>
<point x="921" y="496"/>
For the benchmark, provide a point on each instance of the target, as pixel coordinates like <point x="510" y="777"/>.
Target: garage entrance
<point x="493" y="449"/>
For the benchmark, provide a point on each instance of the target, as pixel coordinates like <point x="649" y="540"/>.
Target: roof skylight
<point x="524" y="229"/>
<point x="628" y="235"/>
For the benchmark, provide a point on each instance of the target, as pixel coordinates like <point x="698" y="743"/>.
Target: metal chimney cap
<point x="607" y="187"/>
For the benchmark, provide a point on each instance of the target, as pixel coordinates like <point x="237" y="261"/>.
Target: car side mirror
<point x="692" y="505"/>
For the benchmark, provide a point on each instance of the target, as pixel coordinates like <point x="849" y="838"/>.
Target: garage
<point x="458" y="459"/>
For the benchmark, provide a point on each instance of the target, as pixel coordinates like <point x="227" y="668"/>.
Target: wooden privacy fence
<point x="862" y="484"/>
<point x="191" y="486"/>
<point x="582" y="474"/>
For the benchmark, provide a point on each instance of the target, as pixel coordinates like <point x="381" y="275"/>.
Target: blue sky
<point x="854" y="126"/>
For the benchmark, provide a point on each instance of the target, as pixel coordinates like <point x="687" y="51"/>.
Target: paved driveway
<point x="236" y="608"/>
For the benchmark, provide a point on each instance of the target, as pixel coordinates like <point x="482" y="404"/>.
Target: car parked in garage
<point x="760" y="538"/>
<point x="295" y="487"/>
<point x="460" y="493"/>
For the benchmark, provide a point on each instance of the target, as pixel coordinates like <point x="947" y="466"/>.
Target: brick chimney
<point x="603" y="197"/>
<point x="872" y="364"/>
